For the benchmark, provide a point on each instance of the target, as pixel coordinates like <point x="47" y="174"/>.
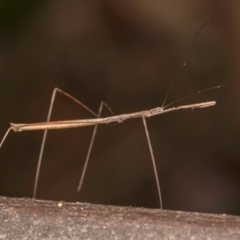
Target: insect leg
<point x="153" y="162"/>
<point x="90" y="146"/>
<point x="56" y="90"/>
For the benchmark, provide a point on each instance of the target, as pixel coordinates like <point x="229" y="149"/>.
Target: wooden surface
<point x="37" y="219"/>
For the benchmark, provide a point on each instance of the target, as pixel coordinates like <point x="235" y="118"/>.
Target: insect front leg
<point x="153" y="162"/>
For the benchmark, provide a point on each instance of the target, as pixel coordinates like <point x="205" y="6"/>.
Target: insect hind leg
<point x="5" y="136"/>
<point x="55" y="91"/>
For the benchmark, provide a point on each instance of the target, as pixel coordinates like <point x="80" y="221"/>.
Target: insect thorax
<point x="156" y="110"/>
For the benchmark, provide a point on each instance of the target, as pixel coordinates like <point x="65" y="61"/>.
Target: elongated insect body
<point x="51" y="125"/>
<point x="89" y="122"/>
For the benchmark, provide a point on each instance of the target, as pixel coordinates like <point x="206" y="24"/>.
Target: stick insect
<point x="48" y="125"/>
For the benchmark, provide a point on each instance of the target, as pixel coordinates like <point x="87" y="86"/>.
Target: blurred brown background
<point x="126" y="53"/>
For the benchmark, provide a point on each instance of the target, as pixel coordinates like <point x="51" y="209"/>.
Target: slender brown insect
<point x="98" y="120"/>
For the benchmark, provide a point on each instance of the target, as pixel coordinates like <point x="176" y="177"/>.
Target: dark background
<point x="127" y="53"/>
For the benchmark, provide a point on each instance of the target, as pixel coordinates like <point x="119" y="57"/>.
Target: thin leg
<point x="5" y="136"/>
<point x="45" y="131"/>
<point x="90" y="146"/>
<point x="153" y="162"/>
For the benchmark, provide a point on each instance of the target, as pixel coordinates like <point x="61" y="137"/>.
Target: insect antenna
<point x="186" y="60"/>
<point x="192" y="94"/>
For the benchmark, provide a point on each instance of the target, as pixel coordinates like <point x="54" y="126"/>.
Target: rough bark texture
<point x="37" y="219"/>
